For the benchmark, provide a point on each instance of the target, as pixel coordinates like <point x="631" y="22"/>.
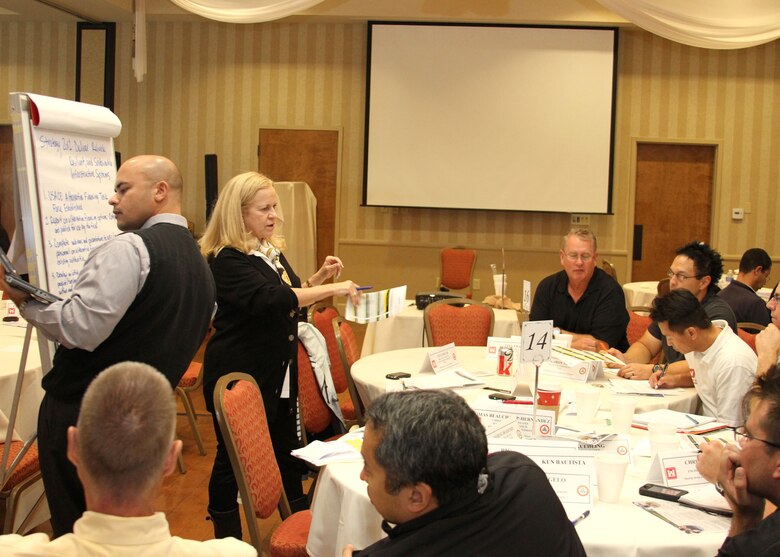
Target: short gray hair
<point x="431" y="437"/>
<point x="125" y="429"/>
<point x="584" y="234"/>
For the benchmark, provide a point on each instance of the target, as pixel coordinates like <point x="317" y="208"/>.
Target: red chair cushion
<point x="190" y="376"/>
<point x="289" y="539"/>
<point x="26" y="468"/>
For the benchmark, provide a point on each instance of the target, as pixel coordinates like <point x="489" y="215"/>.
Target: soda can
<point x="505" y="361"/>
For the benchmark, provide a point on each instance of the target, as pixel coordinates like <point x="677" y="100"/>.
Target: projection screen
<point x="493" y="117"/>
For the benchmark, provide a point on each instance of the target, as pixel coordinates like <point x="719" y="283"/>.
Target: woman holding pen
<point x="256" y="328"/>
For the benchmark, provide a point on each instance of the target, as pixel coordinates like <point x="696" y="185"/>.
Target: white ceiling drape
<point x="245" y="11"/>
<point x="717" y="24"/>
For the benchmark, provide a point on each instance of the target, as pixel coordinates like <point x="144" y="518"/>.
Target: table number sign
<point x="537" y="340"/>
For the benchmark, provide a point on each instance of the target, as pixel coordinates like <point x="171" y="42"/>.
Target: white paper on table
<point x="690" y="521"/>
<point x="450" y="379"/>
<point x="628" y="387"/>
<point x="680" y="420"/>
<point x="571" y="472"/>
<point x="504" y="429"/>
<point x="376" y="306"/>
<point x="675" y="469"/>
<point x="491" y="412"/>
<point x="344" y="449"/>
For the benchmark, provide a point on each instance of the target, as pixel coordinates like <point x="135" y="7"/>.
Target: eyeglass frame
<point x="585" y="257"/>
<point x="681" y="277"/>
<point x="744" y="434"/>
<point x="774" y="298"/>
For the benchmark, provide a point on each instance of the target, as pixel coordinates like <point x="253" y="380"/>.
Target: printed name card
<point x="440" y="359"/>
<point x="527" y="295"/>
<point x="494" y="343"/>
<point x="580" y="372"/>
<point x="571" y="472"/>
<point x="675" y="469"/>
<point x="492" y="412"/>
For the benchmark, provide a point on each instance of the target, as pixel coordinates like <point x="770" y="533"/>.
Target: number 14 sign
<point x="537" y="340"/>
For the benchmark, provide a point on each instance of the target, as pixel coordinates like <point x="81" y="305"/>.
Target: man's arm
<point x="610" y="319"/>
<point x="111" y="278"/>
<point x="637" y="357"/>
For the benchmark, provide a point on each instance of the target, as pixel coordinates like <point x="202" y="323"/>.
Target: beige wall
<point x="234" y="79"/>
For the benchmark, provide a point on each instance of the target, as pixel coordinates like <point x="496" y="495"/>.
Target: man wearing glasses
<point x="768" y="340"/>
<point x="696" y="268"/>
<point x="583" y="300"/>
<point x="748" y="472"/>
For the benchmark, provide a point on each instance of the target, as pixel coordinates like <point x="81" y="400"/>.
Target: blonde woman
<point x="256" y="325"/>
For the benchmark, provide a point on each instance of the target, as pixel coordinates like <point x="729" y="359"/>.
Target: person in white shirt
<point x="722" y="365"/>
<point x="123" y="446"/>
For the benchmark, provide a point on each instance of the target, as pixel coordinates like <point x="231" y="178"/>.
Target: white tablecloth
<point x="406" y="330"/>
<point x="640" y="293"/>
<point x="369" y="375"/>
<point x="11" y="342"/>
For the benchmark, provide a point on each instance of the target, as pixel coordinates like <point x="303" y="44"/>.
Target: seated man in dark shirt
<point x="754" y="269"/>
<point x="696" y="268"/>
<point x="583" y="300"/>
<point x="429" y="474"/>
<point x="749" y="475"/>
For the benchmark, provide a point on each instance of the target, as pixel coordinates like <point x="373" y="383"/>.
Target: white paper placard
<point x="440" y="359"/>
<point x="581" y="372"/>
<point x="527" y="295"/>
<point x="537" y="340"/>
<point x="494" y="343"/>
<point x="492" y="412"/>
<point x="675" y="469"/>
<point x="571" y="472"/>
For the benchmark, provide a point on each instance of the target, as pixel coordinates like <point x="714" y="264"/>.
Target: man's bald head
<point x="146" y="185"/>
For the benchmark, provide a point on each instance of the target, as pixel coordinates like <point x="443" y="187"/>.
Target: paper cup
<point x="663" y="437"/>
<point x="587" y="399"/>
<point x="610" y="471"/>
<point x="499" y="281"/>
<point x="548" y="397"/>
<point x="622" y="413"/>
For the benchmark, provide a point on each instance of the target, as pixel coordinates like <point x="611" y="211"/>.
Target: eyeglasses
<point x="775" y="299"/>
<point x="741" y="433"/>
<point x="584" y="256"/>
<point x="681" y="276"/>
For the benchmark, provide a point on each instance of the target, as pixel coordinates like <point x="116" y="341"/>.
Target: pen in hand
<point x="661" y="376"/>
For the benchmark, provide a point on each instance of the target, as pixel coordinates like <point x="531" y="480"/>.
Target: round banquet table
<point x="369" y="376"/>
<point x="640" y="293"/>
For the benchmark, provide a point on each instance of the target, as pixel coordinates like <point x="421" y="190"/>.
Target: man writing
<point x="123" y="447"/>
<point x="754" y="269"/>
<point x="583" y="300"/>
<point x="748" y="474"/>
<point x="722" y="365"/>
<point x="429" y="474"/>
<point x="697" y="269"/>
<point x="146" y="295"/>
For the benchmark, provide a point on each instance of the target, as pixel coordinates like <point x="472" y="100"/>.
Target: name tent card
<point x="675" y="469"/>
<point x="492" y="412"/>
<point x="440" y="359"/>
<point x="527" y="295"/>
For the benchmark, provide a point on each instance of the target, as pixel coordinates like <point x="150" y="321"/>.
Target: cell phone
<point x="398" y="375"/>
<point x="661" y="492"/>
<point x="501" y="396"/>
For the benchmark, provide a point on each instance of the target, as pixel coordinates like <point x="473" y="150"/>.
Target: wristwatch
<point x="659" y="367"/>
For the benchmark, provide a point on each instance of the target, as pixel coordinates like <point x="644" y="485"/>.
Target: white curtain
<point x="245" y="11"/>
<point x="721" y="24"/>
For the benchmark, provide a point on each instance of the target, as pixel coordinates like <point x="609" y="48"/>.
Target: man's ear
<point x="705" y="282"/>
<point x="421" y="499"/>
<point x="171" y="457"/>
<point x="161" y="190"/>
<point x="73" y="446"/>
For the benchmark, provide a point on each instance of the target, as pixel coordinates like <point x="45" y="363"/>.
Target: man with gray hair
<point x="123" y="446"/>
<point x="582" y="299"/>
<point x="429" y="474"/>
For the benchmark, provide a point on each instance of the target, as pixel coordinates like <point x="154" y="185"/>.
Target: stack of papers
<point x="683" y="421"/>
<point x="450" y="379"/>
<point x="344" y="449"/>
<point x="706" y="499"/>
<point x="639" y="388"/>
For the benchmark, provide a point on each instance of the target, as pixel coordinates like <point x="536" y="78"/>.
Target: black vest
<point x="164" y="325"/>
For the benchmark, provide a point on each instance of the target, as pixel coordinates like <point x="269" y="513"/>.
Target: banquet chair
<point x="189" y="382"/>
<point x="241" y="417"/>
<point x="744" y="329"/>
<point x="322" y="315"/>
<point x="316" y="416"/>
<point x="457" y="269"/>
<point x="349" y="353"/>
<point x="22" y="474"/>
<point x="458" y="320"/>
<point x="638" y="322"/>
<point x="609" y="268"/>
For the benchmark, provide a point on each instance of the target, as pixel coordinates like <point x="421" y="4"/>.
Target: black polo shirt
<point x="601" y="311"/>
<point x="746" y="304"/>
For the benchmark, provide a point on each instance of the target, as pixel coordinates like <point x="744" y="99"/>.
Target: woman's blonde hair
<point x="226" y="225"/>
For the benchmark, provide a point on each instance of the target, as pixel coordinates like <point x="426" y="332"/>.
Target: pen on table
<point x="695" y="421"/>
<point x="529" y="402"/>
<point x="693" y="440"/>
<point x="497" y="390"/>
<point x="364" y="288"/>
<point x="580" y="518"/>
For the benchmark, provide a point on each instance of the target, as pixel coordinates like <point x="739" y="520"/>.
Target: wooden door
<point x="674" y="185"/>
<point x="311" y="156"/>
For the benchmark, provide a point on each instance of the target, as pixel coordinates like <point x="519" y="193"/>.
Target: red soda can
<point x="505" y="361"/>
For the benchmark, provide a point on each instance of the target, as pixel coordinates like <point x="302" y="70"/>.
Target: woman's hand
<point x="347" y="288"/>
<point x="332" y="266"/>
